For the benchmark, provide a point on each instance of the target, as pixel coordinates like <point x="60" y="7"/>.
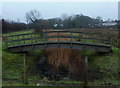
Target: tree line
<point x="11" y="26"/>
<point x="35" y="21"/>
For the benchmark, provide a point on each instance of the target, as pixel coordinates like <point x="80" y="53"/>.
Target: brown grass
<point x="69" y="59"/>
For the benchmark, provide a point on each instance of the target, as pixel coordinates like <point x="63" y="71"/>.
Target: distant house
<point x="111" y="23"/>
<point x="55" y="25"/>
<point x="58" y="25"/>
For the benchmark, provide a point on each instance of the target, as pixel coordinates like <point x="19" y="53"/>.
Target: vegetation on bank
<point x="103" y="68"/>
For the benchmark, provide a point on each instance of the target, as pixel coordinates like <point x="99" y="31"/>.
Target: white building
<point x="109" y="23"/>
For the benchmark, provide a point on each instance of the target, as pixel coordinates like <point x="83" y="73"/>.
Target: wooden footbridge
<point x="21" y="43"/>
<point x="75" y="40"/>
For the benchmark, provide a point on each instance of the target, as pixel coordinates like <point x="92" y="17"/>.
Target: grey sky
<point x="13" y="11"/>
<point x="119" y="10"/>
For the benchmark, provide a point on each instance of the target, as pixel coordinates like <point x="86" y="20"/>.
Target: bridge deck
<point x="73" y="45"/>
<point x="31" y="41"/>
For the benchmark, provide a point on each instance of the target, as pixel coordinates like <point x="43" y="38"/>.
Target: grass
<point x="11" y="83"/>
<point x="102" y="82"/>
<point x="66" y="82"/>
<point x="51" y="83"/>
<point x="18" y="32"/>
<point x="22" y="39"/>
<point x="12" y="65"/>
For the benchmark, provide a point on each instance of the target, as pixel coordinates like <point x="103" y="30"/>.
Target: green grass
<point x="11" y="83"/>
<point x="18" y="39"/>
<point x="104" y="82"/>
<point x="18" y="32"/>
<point x="66" y="82"/>
<point x="13" y="63"/>
<point x="50" y="83"/>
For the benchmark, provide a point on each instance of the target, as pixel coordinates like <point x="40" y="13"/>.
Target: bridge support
<point x="24" y="69"/>
<point x="85" y="79"/>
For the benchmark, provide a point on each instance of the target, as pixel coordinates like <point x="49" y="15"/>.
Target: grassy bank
<point x="103" y="68"/>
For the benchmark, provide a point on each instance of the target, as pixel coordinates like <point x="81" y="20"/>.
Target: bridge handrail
<point x="45" y="37"/>
<point x="75" y="37"/>
<point x="55" y="42"/>
<point x="60" y="32"/>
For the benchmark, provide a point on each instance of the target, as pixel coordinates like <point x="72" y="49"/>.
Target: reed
<point x="69" y="59"/>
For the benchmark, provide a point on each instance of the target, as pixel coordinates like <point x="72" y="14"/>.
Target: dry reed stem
<point x="70" y="59"/>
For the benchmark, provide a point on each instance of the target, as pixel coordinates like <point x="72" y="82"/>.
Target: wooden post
<point x="32" y="38"/>
<point x="85" y="84"/>
<point x="6" y="41"/>
<point x="24" y="69"/>
<point x="18" y="40"/>
<point x="110" y="41"/>
<point x="12" y="41"/>
<point x="71" y="34"/>
<point x="45" y="38"/>
<point x="58" y="37"/>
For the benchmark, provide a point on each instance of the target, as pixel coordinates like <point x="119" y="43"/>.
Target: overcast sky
<point x="15" y="10"/>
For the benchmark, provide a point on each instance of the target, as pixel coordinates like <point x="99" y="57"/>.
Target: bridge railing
<point x="57" y="36"/>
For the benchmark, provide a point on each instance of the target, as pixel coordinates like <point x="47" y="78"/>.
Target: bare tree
<point x="33" y="16"/>
<point x="64" y="16"/>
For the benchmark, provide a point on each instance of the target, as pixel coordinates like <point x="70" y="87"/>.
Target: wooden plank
<point x="61" y="42"/>
<point x="61" y="32"/>
<point x="24" y="34"/>
<point x="15" y="40"/>
<point x="92" y="47"/>
<point x="108" y="41"/>
<point x="77" y="37"/>
<point x="78" y="32"/>
<point x="88" y="38"/>
<point x="20" y="35"/>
